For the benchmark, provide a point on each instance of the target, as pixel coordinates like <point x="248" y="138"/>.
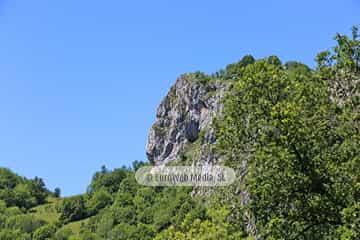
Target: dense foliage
<point x="21" y="192"/>
<point x="117" y="207"/>
<point x="298" y="133"/>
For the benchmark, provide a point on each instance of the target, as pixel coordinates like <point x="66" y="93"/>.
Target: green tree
<point x="350" y="229"/>
<point x="297" y="146"/>
<point x="234" y="71"/>
<point x="98" y="200"/>
<point x="73" y="209"/>
<point x="108" y="179"/>
<point x="45" y="232"/>
<point x="215" y="226"/>
<point x="274" y="60"/>
<point x="57" y="192"/>
<point x="341" y="68"/>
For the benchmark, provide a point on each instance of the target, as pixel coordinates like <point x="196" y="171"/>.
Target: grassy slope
<point x="74" y="227"/>
<point x="47" y="212"/>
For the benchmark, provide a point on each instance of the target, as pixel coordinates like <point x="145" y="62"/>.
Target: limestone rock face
<point x="185" y="113"/>
<point x="184" y="124"/>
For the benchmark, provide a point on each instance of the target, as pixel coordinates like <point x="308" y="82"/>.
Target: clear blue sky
<point x="80" y="80"/>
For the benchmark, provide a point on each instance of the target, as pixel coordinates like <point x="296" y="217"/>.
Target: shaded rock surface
<point x="185" y="113"/>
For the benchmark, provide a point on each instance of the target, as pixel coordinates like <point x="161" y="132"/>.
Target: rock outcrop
<point x="184" y="124"/>
<point x="183" y="117"/>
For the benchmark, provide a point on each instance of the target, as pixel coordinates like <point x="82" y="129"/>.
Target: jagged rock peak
<point x="186" y="111"/>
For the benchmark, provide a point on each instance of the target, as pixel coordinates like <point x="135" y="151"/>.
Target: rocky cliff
<point x="183" y="128"/>
<point x="184" y="118"/>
